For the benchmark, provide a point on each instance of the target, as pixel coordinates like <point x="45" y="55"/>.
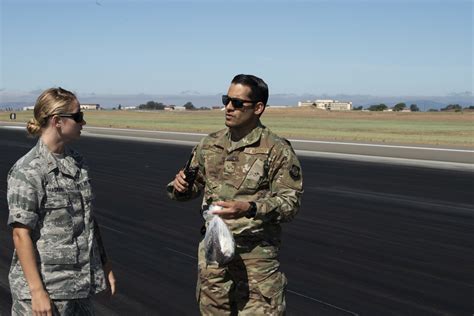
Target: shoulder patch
<point x="295" y="172"/>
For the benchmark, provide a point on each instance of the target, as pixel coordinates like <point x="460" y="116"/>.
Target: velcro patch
<point x="295" y="172"/>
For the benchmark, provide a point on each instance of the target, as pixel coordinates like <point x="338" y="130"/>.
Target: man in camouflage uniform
<point x="50" y="195"/>
<point x="255" y="177"/>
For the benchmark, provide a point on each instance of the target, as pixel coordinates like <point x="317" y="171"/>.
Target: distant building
<point x="391" y="110"/>
<point x="179" y="108"/>
<point x="129" y="107"/>
<point x="29" y="108"/>
<point x="90" y="106"/>
<point x="329" y="105"/>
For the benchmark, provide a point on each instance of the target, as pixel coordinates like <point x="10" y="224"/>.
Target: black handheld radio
<point x="190" y="173"/>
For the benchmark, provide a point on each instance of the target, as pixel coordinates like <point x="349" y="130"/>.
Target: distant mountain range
<point x="109" y="101"/>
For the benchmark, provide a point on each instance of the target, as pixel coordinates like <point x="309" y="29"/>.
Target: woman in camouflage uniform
<point x="59" y="259"/>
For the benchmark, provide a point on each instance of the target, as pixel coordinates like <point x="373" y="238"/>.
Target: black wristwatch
<point x="252" y="211"/>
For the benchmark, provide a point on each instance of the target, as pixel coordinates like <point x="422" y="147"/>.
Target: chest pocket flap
<point x="252" y="168"/>
<point x="56" y="199"/>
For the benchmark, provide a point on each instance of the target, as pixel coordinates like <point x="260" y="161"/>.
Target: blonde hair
<point x="51" y="102"/>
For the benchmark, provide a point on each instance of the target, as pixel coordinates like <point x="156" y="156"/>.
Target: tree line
<point x="413" y="108"/>
<point x="152" y="105"/>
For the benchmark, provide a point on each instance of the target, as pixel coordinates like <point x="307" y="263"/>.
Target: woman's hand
<point x="109" y="275"/>
<point x="41" y="303"/>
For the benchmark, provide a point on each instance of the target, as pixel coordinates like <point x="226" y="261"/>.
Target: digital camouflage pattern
<point x="53" y="197"/>
<point x="77" y="307"/>
<point x="263" y="168"/>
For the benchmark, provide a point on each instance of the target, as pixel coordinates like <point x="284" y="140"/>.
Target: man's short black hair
<point x="258" y="87"/>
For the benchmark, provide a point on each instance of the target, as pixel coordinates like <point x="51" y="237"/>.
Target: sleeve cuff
<point x="27" y="219"/>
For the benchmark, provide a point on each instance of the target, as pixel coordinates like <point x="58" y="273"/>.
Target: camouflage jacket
<point x="261" y="167"/>
<point x="53" y="198"/>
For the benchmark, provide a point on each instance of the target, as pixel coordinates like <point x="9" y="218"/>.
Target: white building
<point x="28" y="108"/>
<point x="90" y="106"/>
<point x="330" y="105"/>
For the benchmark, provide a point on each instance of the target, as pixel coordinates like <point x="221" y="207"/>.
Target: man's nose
<point x="229" y="106"/>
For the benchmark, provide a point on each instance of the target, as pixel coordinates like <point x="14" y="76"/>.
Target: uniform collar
<point x="249" y="139"/>
<point x="68" y="165"/>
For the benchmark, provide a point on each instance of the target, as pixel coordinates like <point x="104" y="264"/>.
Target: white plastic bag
<point x="219" y="243"/>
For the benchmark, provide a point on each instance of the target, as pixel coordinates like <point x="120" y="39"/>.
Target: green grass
<point x="439" y="128"/>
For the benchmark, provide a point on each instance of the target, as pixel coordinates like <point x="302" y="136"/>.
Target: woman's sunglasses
<point x="78" y="117"/>
<point x="236" y="103"/>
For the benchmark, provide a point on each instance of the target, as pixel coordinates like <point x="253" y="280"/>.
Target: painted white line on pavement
<point x="291" y="140"/>
<point x="181" y="253"/>
<point x="112" y="229"/>
<point x="14" y="127"/>
<point x="389" y="160"/>
<point x="307" y="153"/>
<point x="293" y="292"/>
<point x="142" y="139"/>
<point x="298" y="140"/>
<point x="324" y="303"/>
<point x="145" y="131"/>
<point x="381" y="146"/>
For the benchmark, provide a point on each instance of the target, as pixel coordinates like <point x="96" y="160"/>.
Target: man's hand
<point x="179" y="183"/>
<point x="41" y="303"/>
<point x="232" y="209"/>
<point x="109" y="274"/>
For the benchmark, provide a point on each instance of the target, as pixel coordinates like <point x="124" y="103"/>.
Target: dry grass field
<point x="454" y="129"/>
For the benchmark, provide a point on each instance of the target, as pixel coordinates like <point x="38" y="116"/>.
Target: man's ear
<point x="259" y="108"/>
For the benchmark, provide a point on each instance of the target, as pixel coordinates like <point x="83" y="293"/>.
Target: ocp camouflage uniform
<point x="263" y="168"/>
<point x="52" y="196"/>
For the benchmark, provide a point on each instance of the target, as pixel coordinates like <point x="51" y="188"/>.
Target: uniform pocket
<point x="58" y="254"/>
<point x="85" y="189"/>
<point x="56" y="200"/>
<point x="255" y="175"/>
<point x="273" y="287"/>
<point x="57" y="216"/>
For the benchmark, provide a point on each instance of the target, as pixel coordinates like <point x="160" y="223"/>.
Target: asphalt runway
<point x="370" y="239"/>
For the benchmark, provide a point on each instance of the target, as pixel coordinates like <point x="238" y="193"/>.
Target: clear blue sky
<point x="164" y="47"/>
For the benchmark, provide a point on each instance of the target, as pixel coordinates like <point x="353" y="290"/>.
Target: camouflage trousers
<point x="77" y="307"/>
<point x="242" y="287"/>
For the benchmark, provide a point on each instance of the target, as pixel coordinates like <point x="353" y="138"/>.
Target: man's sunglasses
<point x="78" y="117"/>
<point x="236" y="103"/>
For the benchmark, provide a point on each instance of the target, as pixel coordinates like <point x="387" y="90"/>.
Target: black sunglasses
<point x="78" y="117"/>
<point x="236" y="103"/>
